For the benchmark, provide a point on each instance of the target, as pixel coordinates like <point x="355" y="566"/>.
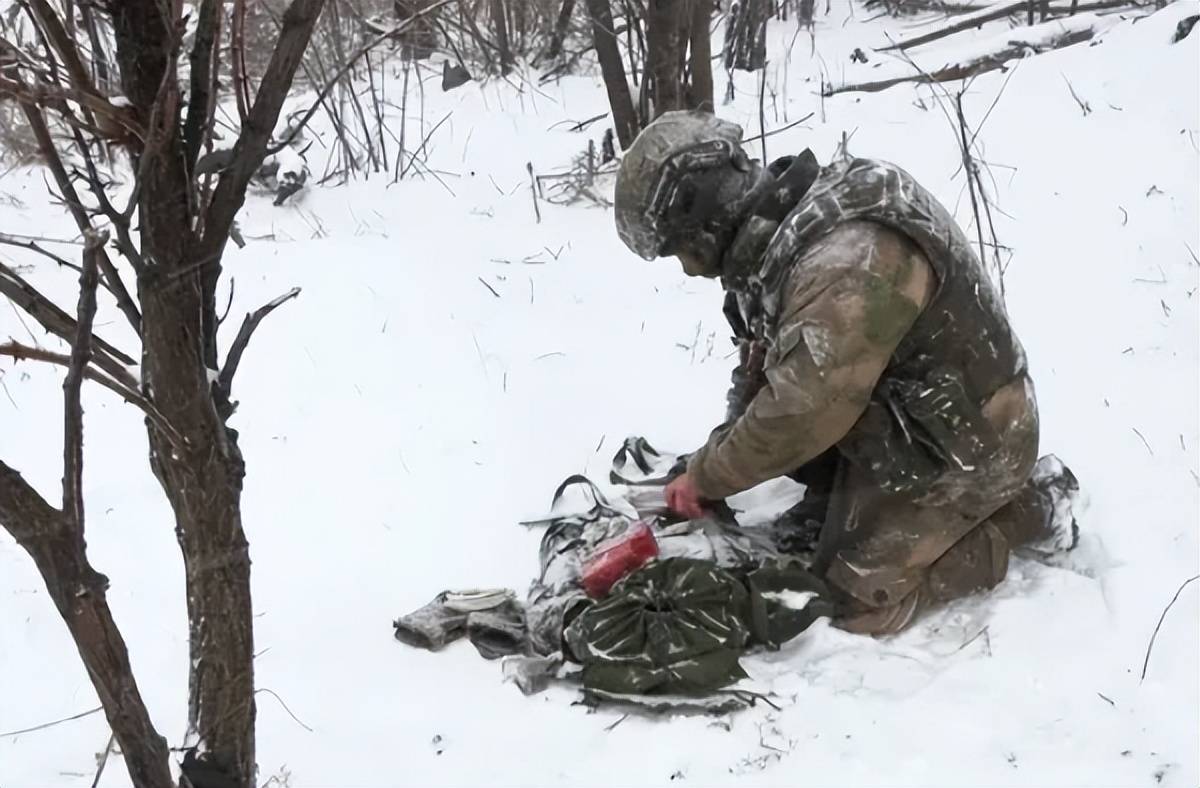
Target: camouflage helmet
<point x="671" y="146"/>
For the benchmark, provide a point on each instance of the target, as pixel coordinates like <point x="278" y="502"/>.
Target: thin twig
<point x="13" y="240"/>
<point x="21" y="352"/>
<point x="762" y="117"/>
<point x="57" y="322"/>
<point x="112" y="737"/>
<point x="489" y="287"/>
<point x="1150" y="645"/>
<point x="46" y="725"/>
<point x="1144" y="441"/>
<point x="229" y="304"/>
<point x="1084" y="107"/>
<point x="779" y="130"/>
<point x="975" y="637"/>
<point x="412" y="158"/>
<point x="350" y="61"/>
<point x="533" y="190"/>
<point x="275" y="695"/>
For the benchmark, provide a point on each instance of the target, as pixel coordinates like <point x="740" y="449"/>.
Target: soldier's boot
<point x="1041" y="519"/>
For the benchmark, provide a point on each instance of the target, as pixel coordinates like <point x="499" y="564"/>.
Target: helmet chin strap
<point x="719" y="233"/>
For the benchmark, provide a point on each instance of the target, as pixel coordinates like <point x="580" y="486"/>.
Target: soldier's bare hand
<point x="683" y="498"/>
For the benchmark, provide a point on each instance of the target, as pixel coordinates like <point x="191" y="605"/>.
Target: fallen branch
<point x="1035" y="40"/>
<point x="984" y="15"/>
<point x="225" y="378"/>
<point x="965" y="22"/>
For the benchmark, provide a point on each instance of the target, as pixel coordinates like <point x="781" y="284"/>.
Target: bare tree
<point x="674" y="40"/>
<point x="613" y="70"/>
<point x="500" y="25"/>
<point x="171" y="235"/>
<point x="559" y="34"/>
<point x="421" y="39"/>
<point x="746" y="35"/>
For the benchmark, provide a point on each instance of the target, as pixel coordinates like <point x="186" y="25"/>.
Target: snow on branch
<point x="983" y="56"/>
<point x="1010" y="7"/>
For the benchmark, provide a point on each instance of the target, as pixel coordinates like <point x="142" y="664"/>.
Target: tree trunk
<point x="666" y="54"/>
<point x="502" y="44"/>
<point x="700" y="88"/>
<point x="203" y="481"/>
<point x="559" y="35"/>
<point x="745" y="36"/>
<point x="609" y="54"/>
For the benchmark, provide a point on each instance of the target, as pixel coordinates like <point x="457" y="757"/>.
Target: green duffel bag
<point x="678" y="625"/>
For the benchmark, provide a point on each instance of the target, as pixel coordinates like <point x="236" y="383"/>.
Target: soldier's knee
<point x="885" y="602"/>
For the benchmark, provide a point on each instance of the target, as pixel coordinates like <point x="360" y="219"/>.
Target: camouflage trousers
<point x="889" y="555"/>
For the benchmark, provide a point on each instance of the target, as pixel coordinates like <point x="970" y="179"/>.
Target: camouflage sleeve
<point x="747" y="377"/>
<point x="843" y="311"/>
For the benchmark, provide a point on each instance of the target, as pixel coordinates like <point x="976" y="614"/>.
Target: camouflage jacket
<point x="865" y="321"/>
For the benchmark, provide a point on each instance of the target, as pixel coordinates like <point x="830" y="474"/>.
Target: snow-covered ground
<point x="399" y="418"/>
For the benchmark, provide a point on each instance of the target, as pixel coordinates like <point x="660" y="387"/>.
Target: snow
<point x="399" y="419"/>
<point x="795" y="600"/>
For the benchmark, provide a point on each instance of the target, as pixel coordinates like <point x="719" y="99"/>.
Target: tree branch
<point x="202" y="64"/>
<point x="31" y="245"/>
<point x="57" y="547"/>
<point x="99" y="190"/>
<point x="19" y="352"/>
<point x="60" y="324"/>
<point x="298" y="22"/>
<point x="380" y="37"/>
<point x="81" y="356"/>
<point x="64" y="45"/>
<point x="225" y="379"/>
<point x="41" y="133"/>
<point x="237" y="57"/>
<point x="119" y="124"/>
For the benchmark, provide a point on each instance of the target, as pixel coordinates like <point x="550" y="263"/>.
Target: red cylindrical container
<point x="617" y="557"/>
